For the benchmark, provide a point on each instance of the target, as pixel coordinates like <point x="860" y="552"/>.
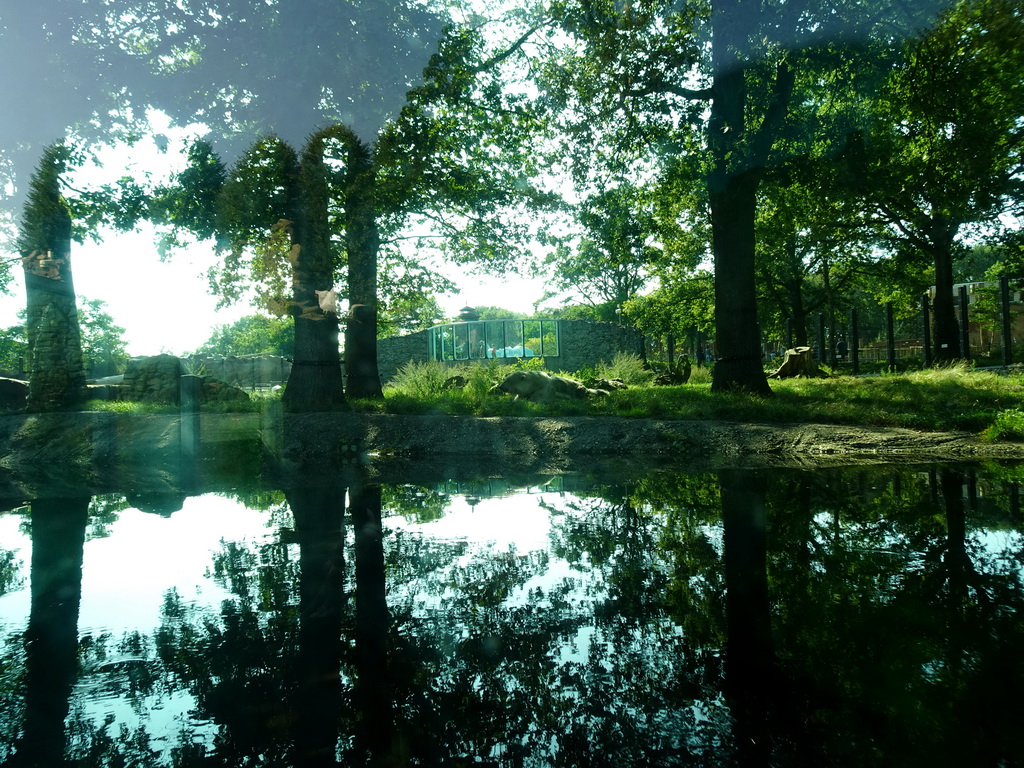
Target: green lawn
<point x="949" y="399"/>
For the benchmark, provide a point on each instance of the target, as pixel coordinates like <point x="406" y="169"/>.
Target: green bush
<point x="426" y="379"/>
<point x="630" y="368"/>
<point x="1008" y="425"/>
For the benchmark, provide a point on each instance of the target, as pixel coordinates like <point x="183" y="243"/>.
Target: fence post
<point x="926" y="332"/>
<point x="965" y="329"/>
<point x="854" y="342"/>
<point x="1004" y="296"/>
<point x="890" y="337"/>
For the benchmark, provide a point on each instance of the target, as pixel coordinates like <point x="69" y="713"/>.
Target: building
<point x="564" y="345"/>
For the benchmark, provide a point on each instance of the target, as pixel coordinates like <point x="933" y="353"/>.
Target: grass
<point x="955" y="398"/>
<point x="945" y="399"/>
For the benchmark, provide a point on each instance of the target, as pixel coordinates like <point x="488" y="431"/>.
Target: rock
<point x="216" y="391"/>
<point x="605" y="385"/>
<point x="542" y="387"/>
<point x="13" y="394"/>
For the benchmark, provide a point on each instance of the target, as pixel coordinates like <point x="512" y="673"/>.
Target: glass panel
<point x="496" y="341"/>
<point x="477" y="343"/>
<point x="513" y="339"/>
<point x="437" y="344"/>
<point x="461" y="341"/>
<point x="448" y="347"/>
<point x="549" y="338"/>
<point x="531" y="338"/>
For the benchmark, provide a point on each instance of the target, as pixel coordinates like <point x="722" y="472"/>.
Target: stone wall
<point x="157" y="379"/>
<point x="247" y="371"/>
<point x="57" y="373"/>
<point x="581" y="343"/>
<point x="394" y="352"/>
<point x="152" y="379"/>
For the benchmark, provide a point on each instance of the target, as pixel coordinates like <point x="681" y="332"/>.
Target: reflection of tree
<point x="824" y="618"/>
<point x="266" y="673"/>
<point x="750" y="658"/>
<point x="891" y="622"/>
<point x="51" y="638"/>
<point x="319" y="531"/>
<point x="374" y="736"/>
<point x="651" y="674"/>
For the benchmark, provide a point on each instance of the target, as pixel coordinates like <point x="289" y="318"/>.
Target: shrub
<point x="426" y="379"/>
<point x="630" y="368"/>
<point x="1008" y="425"/>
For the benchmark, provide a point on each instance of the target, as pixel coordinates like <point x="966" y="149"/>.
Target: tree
<point x="251" y="335"/>
<point x="55" y="365"/>
<point x="334" y="208"/>
<point x="942" y="151"/>
<point x="611" y="261"/>
<point x="812" y="251"/>
<point x="682" y="305"/>
<point x="13" y="349"/>
<point x="652" y="70"/>
<point x="103" y="345"/>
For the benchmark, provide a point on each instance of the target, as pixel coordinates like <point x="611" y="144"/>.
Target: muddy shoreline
<point x="103" y="452"/>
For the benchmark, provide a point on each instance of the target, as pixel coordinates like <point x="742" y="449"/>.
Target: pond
<point x="858" y="616"/>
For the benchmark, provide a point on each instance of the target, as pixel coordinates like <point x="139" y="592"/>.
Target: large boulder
<point x="13" y="394"/>
<point x="542" y="387"/>
<point x="157" y="379"/>
<point x="153" y="379"/>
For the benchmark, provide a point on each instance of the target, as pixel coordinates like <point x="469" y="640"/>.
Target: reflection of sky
<point x="127" y="573"/>
<point x="125" y="576"/>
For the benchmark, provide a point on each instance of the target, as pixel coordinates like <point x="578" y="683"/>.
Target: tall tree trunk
<point x="315" y="383"/>
<point x="945" y="327"/>
<point x="794" y="288"/>
<point x="55" y="365"/>
<point x="319" y="528"/>
<point x="363" y="241"/>
<point x="732" y="187"/>
<point x="58" y="536"/>
<point x="750" y="667"/>
<point x="373" y="687"/>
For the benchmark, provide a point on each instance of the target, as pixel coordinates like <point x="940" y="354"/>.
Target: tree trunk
<point x="799" y="312"/>
<point x="54" y="356"/>
<point x="750" y="666"/>
<point x="315" y="383"/>
<point x="51" y="638"/>
<point x="55" y="365"/>
<point x="945" y="327"/>
<point x="732" y="190"/>
<point x="319" y="514"/>
<point x="798" y="362"/>
<point x="363" y="242"/>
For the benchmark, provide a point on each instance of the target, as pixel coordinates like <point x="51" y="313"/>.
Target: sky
<point x="166" y="306"/>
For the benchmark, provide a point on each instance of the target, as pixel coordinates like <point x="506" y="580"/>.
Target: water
<point x="864" y="616"/>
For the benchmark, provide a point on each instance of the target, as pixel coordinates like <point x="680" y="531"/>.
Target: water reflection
<point x="854" y="617"/>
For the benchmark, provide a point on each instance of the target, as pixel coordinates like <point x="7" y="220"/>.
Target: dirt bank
<point x="103" y="452"/>
<point x="684" y="441"/>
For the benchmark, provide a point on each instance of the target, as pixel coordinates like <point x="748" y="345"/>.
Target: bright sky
<point x="166" y="306"/>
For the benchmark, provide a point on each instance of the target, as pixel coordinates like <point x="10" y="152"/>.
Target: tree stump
<point x="798" y="362"/>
